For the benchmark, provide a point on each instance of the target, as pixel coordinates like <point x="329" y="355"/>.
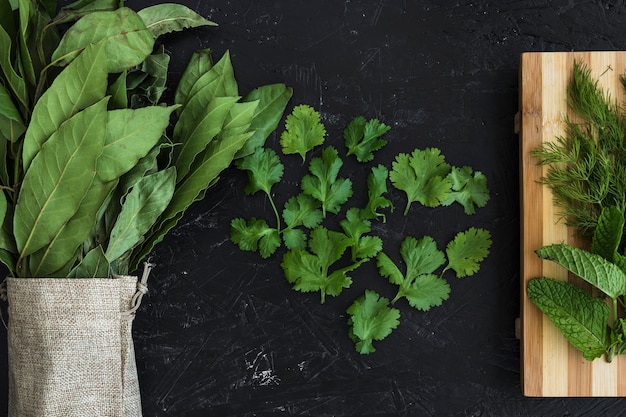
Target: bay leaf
<point x="55" y="183"/>
<point x="11" y="124"/>
<point x="218" y="81"/>
<point x="68" y="240"/>
<point x="80" y="8"/>
<point x="94" y="265"/>
<point x="127" y="41"/>
<point x="272" y="100"/>
<point x="195" y="133"/>
<point x="16" y="83"/>
<point x="170" y="17"/>
<point x="117" y="91"/>
<point x="78" y="86"/>
<point x="130" y="135"/>
<point x="141" y="209"/>
<point x="199" y="64"/>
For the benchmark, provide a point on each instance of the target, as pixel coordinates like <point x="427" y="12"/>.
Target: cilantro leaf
<point x="418" y="285"/>
<point x="254" y="235"/>
<point x="363" y="247"/>
<point x="308" y="271"/>
<point x="467" y="250"/>
<point x="300" y="210"/>
<point x="469" y="190"/>
<point x="303" y="131"/>
<point x="423" y="176"/>
<point x="264" y="170"/>
<point x="323" y="184"/>
<point x="362" y="137"/>
<point x="371" y="319"/>
<point x="582" y="318"/>
<point x="376" y="187"/>
<point x="294" y="238"/>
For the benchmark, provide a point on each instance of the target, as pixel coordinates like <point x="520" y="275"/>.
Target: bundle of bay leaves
<point x="94" y="168"/>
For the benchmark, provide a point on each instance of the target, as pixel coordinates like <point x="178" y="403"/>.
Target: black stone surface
<point x="221" y="332"/>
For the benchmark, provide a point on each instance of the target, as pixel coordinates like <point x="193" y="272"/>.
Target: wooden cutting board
<point x="550" y="366"/>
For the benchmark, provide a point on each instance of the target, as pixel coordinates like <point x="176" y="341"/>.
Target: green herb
<point x="587" y="175"/>
<point x="303" y="131"/>
<point x="371" y="319"/>
<point x="323" y="260"/>
<point x="587" y="165"/>
<point x="468" y="189"/>
<point x="90" y="181"/>
<point x="323" y="184"/>
<point x="362" y="138"/>
<point x="310" y="270"/>
<point x="376" y="190"/>
<point x="580" y="316"/>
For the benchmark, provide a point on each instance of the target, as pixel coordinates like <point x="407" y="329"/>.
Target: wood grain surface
<point x="551" y="367"/>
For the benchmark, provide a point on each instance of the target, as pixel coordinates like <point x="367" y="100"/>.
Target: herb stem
<point x="275" y="211"/>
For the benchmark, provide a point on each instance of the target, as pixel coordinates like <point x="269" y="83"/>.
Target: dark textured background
<point x="221" y="333"/>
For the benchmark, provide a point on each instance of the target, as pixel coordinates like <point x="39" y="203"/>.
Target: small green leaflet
<point x="323" y="184"/>
<point x="376" y="188"/>
<point x="581" y="318"/>
<point x="309" y="271"/>
<point x="467" y="250"/>
<point x="303" y="131"/>
<point x="469" y="189"/>
<point x="362" y="138"/>
<point x="418" y="284"/>
<point x="300" y="210"/>
<point x="355" y="228"/>
<point x="254" y="235"/>
<point x="423" y="176"/>
<point x="264" y="170"/>
<point x="371" y="319"/>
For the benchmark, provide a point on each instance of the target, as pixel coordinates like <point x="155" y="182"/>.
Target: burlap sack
<point x="70" y="347"/>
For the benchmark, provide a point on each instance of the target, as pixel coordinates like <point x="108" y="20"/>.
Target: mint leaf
<point x="469" y="190"/>
<point x="362" y="138"/>
<point x="264" y="170"/>
<point x="467" y="250"/>
<point x="581" y="318"/>
<point x="604" y="275"/>
<point x="323" y="184"/>
<point x="376" y="188"/>
<point x="254" y="235"/>
<point x="303" y="131"/>
<point x="422" y="176"/>
<point x="371" y="319"/>
<point x="418" y="285"/>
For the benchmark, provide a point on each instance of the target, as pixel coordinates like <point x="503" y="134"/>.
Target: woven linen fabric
<point x="70" y="348"/>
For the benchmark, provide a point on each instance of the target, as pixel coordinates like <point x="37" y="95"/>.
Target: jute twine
<point x="70" y="343"/>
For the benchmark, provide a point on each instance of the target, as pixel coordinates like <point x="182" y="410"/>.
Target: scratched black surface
<point x="221" y="332"/>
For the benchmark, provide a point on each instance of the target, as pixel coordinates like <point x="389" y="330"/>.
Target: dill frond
<point x="587" y="165"/>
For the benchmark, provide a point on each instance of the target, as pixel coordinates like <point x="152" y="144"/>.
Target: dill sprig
<point x="587" y="165"/>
